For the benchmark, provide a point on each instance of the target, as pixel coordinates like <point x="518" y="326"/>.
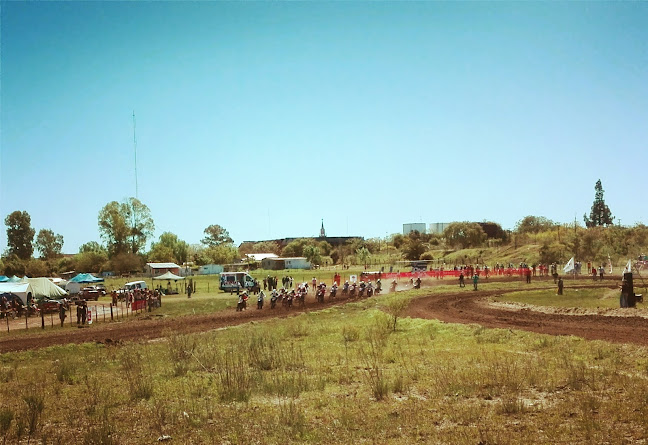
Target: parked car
<point x="51" y="305"/>
<point x="90" y="293"/>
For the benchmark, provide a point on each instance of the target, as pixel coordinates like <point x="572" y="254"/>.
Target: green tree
<point x="49" y="244"/>
<point x="125" y="226"/>
<point x="363" y="254"/>
<point x="160" y="253"/>
<point x="600" y="215"/>
<point x="14" y="266"/>
<point x="126" y="262"/>
<point x="397" y="240"/>
<point x="216" y="235"/>
<point x="169" y="247"/>
<point x="296" y="247"/>
<point x="222" y="254"/>
<point x="91" y="261"/>
<point x="413" y="246"/>
<point x="534" y="224"/>
<point x="464" y="235"/>
<point x="36" y="268"/>
<point x="313" y="254"/>
<point x="141" y="223"/>
<point x="20" y="234"/>
<point x="113" y="228"/>
<point x="260" y="247"/>
<point x="92" y="246"/>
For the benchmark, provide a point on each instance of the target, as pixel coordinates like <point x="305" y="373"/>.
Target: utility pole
<point x="135" y="149"/>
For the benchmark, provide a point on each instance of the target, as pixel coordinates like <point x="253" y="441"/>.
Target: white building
<point x="210" y="269"/>
<point x="285" y="263"/>
<point x="438" y="228"/>
<point x="418" y="227"/>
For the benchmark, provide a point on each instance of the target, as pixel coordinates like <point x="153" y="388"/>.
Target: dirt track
<point x="465" y="306"/>
<point x="150" y="327"/>
<point x="470" y="306"/>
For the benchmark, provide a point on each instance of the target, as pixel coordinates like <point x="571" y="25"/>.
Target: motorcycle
<point x="392" y="288"/>
<point x="273" y="301"/>
<point x="362" y="290"/>
<point x="345" y="289"/>
<point x="370" y="291"/>
<point x="333" y="292"/>
<point x="320" y="294"/>
<point x="352" y="290"/>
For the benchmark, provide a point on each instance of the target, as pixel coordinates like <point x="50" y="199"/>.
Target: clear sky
<point x="265" y="117"/>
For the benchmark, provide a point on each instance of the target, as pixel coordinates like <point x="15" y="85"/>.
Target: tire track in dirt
<point x="468" y="307"/>
<point x="152" y="327"/>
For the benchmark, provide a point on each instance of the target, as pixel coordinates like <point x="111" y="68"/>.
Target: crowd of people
<point x="153" y="298"/>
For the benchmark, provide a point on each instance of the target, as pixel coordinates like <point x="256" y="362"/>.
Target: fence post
<point x="26" y="315"/>
<point x="52" y="318"/>
<point x="111" y="312"/>
<point x="103" y="309"/>
<point x="42" y="318"/>
<point x="7" y="318"/>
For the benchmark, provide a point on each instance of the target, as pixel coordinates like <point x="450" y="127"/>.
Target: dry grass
<point x="341" y="375"/>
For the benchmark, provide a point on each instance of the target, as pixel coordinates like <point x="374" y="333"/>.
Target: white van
<point x="133" y="285"/>
<point x="231" y="281"/>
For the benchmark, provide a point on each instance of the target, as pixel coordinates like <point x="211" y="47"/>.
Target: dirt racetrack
<point x="470" y="306"/>
<point x="149" y="326"/>
<point x="465" y="306"/>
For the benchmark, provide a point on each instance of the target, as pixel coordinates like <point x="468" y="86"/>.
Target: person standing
<point x="560" y="286"/>
<point x="84" y="312"/>
<point x="189" y="290"/>
<point x="475" y="281"/>
<point x="62" y="315"/>
<point x="461" y="280"/>
<point x="601" y="272"/>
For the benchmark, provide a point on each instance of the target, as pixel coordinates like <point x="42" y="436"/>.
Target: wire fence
<point x="14" y="320"/>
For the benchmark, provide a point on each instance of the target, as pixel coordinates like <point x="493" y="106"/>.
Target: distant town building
<point x="438" y="228"/>
<point x="322" y="231"/>
<point x="285" y="263"/>
<point x="413" y="227"/>
<point x="260" y="256"/>
<point x="210" y="269"/>
<point x="155" y="269"/>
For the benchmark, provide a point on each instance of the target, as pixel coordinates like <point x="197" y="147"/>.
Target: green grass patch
<point x="572" y="298"/>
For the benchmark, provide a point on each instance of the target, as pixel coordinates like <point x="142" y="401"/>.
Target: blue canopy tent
<point x="85" y="278"/>
<point x="74" y="284"/>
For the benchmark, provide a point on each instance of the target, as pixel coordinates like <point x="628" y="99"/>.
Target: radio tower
<point x="135" y="148"/>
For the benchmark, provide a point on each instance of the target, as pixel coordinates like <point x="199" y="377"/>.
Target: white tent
<point x="23" y="290"/>
<point x="168" y="276"/>
<point x="43" y="287"/>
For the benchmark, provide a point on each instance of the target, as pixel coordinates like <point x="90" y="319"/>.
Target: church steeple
<point x="322" y="231"/>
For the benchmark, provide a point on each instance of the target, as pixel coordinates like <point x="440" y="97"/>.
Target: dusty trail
<point x="472" y="307"/>
<point x="150" y="327"/>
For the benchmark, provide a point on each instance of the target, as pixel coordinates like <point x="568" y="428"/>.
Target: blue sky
<point x="267" y="117"/>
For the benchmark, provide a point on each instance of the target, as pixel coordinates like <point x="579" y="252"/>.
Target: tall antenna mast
<point x="135" y="147"/>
